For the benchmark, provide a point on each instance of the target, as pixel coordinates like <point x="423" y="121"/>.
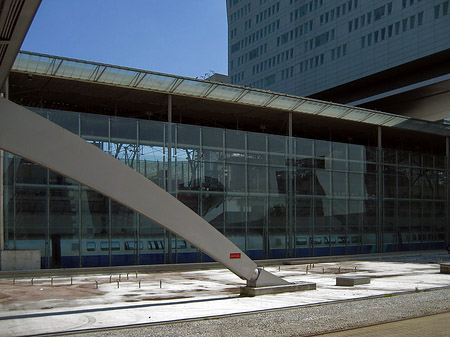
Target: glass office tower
<point x="274" y="196"/>
<point x="305" y="47"/>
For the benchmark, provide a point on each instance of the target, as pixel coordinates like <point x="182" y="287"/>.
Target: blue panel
<point x="189" y="257"/>
<point x="256" y="254"/>
<point x="70" y="261"/>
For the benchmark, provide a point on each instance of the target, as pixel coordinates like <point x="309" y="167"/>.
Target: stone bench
<point x="445" y="268"/>
<point x="350" y="281"/>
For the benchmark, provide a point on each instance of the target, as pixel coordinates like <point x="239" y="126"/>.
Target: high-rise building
<point x="387" y="55"/>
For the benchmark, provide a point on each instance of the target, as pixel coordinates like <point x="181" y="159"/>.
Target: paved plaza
<point x="55" y="304"/>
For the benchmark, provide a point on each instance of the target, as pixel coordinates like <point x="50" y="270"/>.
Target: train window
<point x="301" y="241"/>
<point x="104" y="245"/>
<point x="342" y="239"/>
<point x="356" y="239"/>
<point x="90" y="246"/>
<point x="131" y="245"/>
<point x="181" y="244"/>
<point x="317" y="241"/>
<point x="156" y="244"/>
<point x="327" y="240"/>
<point x="115" y="245"/>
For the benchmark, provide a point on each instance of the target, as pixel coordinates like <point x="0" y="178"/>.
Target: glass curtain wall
<point x="272" y="196"/>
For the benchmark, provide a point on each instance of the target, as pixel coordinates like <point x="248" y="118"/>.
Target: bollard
<point x="139" y="284"/>
<point x="14" y="281"/>
<point x="71" y="281"/>
<point x="313" y="265"/>
<point x="110" y="279"/>
<point x="136" y="274"/>
<point x="96" y="284"/>
<point x="31" y="281"/>
<point x="355" y="269"/>
<point x="127" y="276"/>
<point x="119" y="277"/>
<point x="306" y="270"/>
<point x="51" y="282"/>
<point x="160" y="284"/>
<point x="339" y="270"/>
<point x="118" y="284"/>
<point x="279" y="268"/>
<point x="323" y="270"/>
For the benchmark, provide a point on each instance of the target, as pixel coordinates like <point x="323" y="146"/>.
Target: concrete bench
<point x="445" y="268"/>
<point x="350" y="281"/>
<point x="255" y="291"/>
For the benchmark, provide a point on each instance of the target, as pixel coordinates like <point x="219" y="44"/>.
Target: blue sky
<point x="181" y="37"/>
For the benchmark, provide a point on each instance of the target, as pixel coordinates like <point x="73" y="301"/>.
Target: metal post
<point x="291" y="193"/>
<point x="2" y="187"/>
<point x="447" y="190"/>
<point x="379" y="230"/>
<point x="169" y="167"/>
<point x="2" y="222"/>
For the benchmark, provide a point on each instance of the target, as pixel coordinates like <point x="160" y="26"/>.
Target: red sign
<point x="235" y="255"/>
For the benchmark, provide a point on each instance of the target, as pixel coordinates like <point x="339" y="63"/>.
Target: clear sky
<point x="181" y="37"/>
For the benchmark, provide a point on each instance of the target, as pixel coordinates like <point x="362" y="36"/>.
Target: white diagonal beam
<point x="30" y="136"/>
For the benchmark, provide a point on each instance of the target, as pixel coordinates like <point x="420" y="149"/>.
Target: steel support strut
<point x="30" y="136"/>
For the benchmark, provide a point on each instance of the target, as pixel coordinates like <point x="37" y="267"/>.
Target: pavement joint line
<point x="248" y="313"/>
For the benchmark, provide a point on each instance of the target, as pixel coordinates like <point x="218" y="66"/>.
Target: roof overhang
<point x="112" y="76"/>
<point x="15" y="20"/>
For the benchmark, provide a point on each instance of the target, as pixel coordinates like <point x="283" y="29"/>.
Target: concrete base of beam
<point x="352" y="280"/>
<point x="445" y="268"/>
<point x="255" y="291"/>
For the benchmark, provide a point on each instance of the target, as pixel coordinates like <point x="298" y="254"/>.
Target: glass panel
<point x="303" y="226"/>
<point x="235" y="140"/>
<point x="235" y="177"/>
<point x="256" y="142"/>
<point x="356" y="185"/>
<point x="389" y="235"/>
<point x="277" y="180"/>
<point x="31" y="219"/>
<point x="282" y="102"/>
<point x="256" y="241"/>
<point x="390" y="181"/>
<point x="67" y="119"/>
<point x="153" y="238"/>
<point x="304" y="146"/>
<point x="340" y="184"/>
<point x="323" y="183"/>
<point x="338" y="226"/>
<point x="225" y="93"/>
<point x="123" y="229"/>
<point x="303" y="181"/>
<point x="369" y="227"/>
<point x="257" y="178"/>
<point x="193" y="87"/>
<point x="277" y="228"/>
<point x="254" y="97"/>
<point x="64" y="225"/>
<point x="355" y="224"/>
<point x="321" y="240"/>
<point x="95" y="228"/>
<point x="404" y="179"/>
<point x="94" y="126"/>
<point x="404" y="223"/>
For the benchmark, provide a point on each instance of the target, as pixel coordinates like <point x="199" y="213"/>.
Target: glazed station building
<point x="280" y="176"/>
